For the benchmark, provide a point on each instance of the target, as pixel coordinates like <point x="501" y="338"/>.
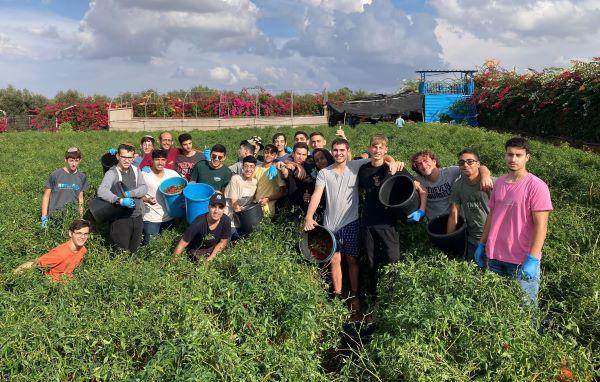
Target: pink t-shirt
<point x="511" y="232"/>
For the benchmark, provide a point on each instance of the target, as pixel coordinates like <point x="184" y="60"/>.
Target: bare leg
<point x="336" y="272"/>
<point x="353" y="270"/>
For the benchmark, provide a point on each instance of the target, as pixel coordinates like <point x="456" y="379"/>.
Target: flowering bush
<point x="86" y="115"/>
<point x="553" y="102"/>
<point x="3" y="124"/>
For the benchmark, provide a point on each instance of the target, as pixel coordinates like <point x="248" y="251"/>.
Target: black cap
<point x="217" y="198"/>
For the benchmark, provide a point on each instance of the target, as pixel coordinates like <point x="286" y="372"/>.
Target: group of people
<point x="506" y="217"/>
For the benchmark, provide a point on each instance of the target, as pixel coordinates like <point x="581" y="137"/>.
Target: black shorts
<point x="381" y="244"/>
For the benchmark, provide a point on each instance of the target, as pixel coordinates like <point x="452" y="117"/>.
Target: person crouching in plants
<point x="125" y="232"/>
<point x="240" y="192"/>
<point x="64" y="186"/>
<point x="61" y="261"/>
<point x="468" y="195"/>
<point x="516" y="227"/>
<point x="209" y="233"/>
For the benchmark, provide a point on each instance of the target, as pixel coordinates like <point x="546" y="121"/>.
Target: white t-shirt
<point x="243" y="191"/>
<point x="156" y="213"/>
<point x="438" y="192"/>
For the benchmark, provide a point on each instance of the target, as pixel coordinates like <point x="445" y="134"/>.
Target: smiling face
<point x="516" y="158"/>
<point x="125" y="158"/>
<point x="425" y="165"/>
<point x="378" y="151"/>
<point x="166" y="141"/>
<point x="300" y="138"/>
<point x="320" y="160"/>
<point x="147" y="147"/>
<point x="279" y="143"/>
<point x="317" y="142"/>
<point x="216" y="211"/>
<point x="340" y="153"/>
<point x="158" y="164"/>
<point x="248" y="170"/>
<point x="216" y="159"/>
<point x="269" y="156"/>
<point x="79" y="236"/>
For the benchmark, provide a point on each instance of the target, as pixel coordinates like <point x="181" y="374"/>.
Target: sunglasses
<point x="468" y="162"/>
<point x="217" y="157"/>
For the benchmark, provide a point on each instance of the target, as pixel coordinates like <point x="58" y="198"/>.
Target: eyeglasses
<point x="468" y="162"/>
<point x="217" y="157"/>
<point x="81" y="234"/>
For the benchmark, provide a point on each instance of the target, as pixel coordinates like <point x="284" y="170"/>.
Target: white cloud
<point x="345" y="6"/>
<point x="9" y="48"/>
<point x="232" y="76"/>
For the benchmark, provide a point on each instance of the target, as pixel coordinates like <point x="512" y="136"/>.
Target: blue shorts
<point x="348" y="239"/>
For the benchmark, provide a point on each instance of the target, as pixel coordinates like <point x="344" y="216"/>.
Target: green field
<point x="258" y="312"/>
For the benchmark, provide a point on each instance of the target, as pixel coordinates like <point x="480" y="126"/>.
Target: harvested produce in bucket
<point x="319" y="244"/>
<point x="174" y="189"/>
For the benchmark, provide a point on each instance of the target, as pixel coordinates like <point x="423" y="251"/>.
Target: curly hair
<point x="424" y="153"/>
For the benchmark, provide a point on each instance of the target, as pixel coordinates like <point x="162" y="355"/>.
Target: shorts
<point x="348" y="239"/>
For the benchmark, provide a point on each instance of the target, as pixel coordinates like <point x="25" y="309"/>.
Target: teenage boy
<point x="147" y="145"/>
<point x="270" y="186"/>
<point x="155" y="216"/>
<point x="280" y="142"/>
<point x="380" y="238"/>
<point x="317" y="140"/>
<point x="125" y="232"/>
<point x="438" y="181"/>
<point x="64" y="185"/>
<point x="165" y="140"/>
<point x="300" y="136"/>
<point x="62" y="260"/>
<point x="188" y="158"/>
<point x="213" y="172"/>
<point x="467" y="194"/>
<point x="340" y="184"/>
<point x="296" y="177"/>
<point x="516" y="227"/>
<point x="209" y="233"/>
<point x="246" y="148"/>
<point x="241" y="190"/>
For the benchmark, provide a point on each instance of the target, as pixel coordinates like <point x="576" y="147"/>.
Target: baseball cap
<point x="217" y="198"/>
<point x="256" y="140"/>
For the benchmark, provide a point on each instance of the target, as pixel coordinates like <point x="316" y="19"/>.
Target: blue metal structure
<point x="441" y="94"/>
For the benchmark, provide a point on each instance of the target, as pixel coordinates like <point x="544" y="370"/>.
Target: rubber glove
<point x="112" y="151"/>
<point x="272" y="172"/>
<point x="288" y="149"/>
<point x="479" y="255"/>
<point x="206" y="153"/>
<point x="416" y="216"/>
<point x="44" y="221"/>
<point x="127" y="194"/>
<point x="531" y="268"/>
<point x="146" y="169"/>
<point x="127" y="202"/>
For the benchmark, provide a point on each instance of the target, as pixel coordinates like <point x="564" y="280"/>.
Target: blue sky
<point x="112" y="46"/>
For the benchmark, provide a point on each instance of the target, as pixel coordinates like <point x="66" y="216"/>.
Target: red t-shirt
<point x="61" y="260"/>
<point x="171" y="158"/>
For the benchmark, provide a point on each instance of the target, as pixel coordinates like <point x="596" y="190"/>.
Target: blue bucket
<point x="175" y="203"/>
<point x="196" y="196"/>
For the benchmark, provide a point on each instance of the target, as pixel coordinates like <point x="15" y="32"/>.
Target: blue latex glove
<point x="127" y="194"/>
<point x="206" y="153"/>
<point x="112" y="151"/>
<point x="44" y="221"/>
<point x="479" y="255"/>
<point x="530" y="268"/>
<point x="146" y="169"/>
<point x="127" y="202"/>
<point x="288" y="149"/>
<point x="272" y="172"/>
<point x="416" y="216"/>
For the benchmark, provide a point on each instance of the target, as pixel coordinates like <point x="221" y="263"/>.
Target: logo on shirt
<point x="208" y="237"/>
<point x="439" y="191"/>
<point x="68" y="186"/>
<point x="376" y="181"/>
<point x="217" y="179"/>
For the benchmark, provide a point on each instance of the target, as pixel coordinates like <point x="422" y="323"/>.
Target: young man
<point x="240" y="190"/>
<point x="467" y="194"/>
<point x="246" y="148"/>
<point x="155" y="216"/>
<point x="209" y="233"/>
<point x="64" y="185"/>
<point x="380" y="239"/>
<point x="213" y="172"/>
<point x="147" y="145"/>
<point x="438" y="181"/>
<point x="317" y="140"/>
<point x="269" y="188"/>
<point x="125" y="232"/>
<point x="340" y="183"/>
<point x="188" y="158"/>
<point x="165" y="140"/>
<point x="516" y="227"/>
<point x="280" y="142"/>
<point x="62" y="260"/>
<point x="296" y="176"/>
<point x="300" y="136"/>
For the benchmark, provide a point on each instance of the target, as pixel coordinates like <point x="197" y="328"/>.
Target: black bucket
<point x="249" y="217"/>
<point x="454" y="243"/>
<point x="399" y="193"/>
<point x="108" y="160"/>
<point x="103" y="211"/>
<point x="318" y="245"/>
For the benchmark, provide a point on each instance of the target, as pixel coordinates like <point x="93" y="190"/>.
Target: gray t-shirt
<point x="474" y="203"/>
<point x="65" y="188"/>
<point x="341" y="194"/>
<point x="438" y="192"/>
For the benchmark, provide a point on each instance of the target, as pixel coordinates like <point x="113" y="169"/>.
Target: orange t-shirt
<point x="61" y="260"/>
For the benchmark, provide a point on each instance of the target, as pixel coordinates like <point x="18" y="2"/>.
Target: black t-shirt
<point x="370" y="179"/>
<point x="198" y="235"/>
<point x="296" y="189"/>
